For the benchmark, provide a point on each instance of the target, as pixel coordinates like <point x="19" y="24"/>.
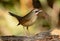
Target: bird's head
<point x="37" y="11"/>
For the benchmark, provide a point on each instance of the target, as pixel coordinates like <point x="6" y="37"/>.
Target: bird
<point x="28" y="19"/>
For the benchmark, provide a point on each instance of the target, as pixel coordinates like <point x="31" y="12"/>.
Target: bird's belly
<point x="30" y="22"/>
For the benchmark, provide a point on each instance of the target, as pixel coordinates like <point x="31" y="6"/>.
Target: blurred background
<point x="8" y="23"/>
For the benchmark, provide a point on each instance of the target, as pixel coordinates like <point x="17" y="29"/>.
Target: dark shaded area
<point x="10" y="3"/>
<point x="50" y="3"/>
<point x="59" y="20"/>
<point x="7" y="4"/>
<point x="12" y="38"/>
<point x="22" y="38"/>
<point x="36" y="4"/>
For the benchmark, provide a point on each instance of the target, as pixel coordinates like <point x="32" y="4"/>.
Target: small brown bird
<point x="29" y="19"/>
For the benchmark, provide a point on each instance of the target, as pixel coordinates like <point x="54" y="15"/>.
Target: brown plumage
<point x="29" y="19"/>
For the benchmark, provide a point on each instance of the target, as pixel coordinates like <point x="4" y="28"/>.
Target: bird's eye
<point x="36" y="11"/>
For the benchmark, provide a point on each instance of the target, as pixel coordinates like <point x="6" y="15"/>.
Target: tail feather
<point x="18" y="17"/>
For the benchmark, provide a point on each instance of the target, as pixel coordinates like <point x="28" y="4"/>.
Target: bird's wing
<point x="31" y="14"/>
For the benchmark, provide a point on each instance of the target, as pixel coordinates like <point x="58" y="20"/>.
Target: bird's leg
<point x="27" y="27"/>
<point x="26" y="31"/>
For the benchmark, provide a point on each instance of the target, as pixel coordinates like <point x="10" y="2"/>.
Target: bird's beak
<point x="39" y="12"/>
